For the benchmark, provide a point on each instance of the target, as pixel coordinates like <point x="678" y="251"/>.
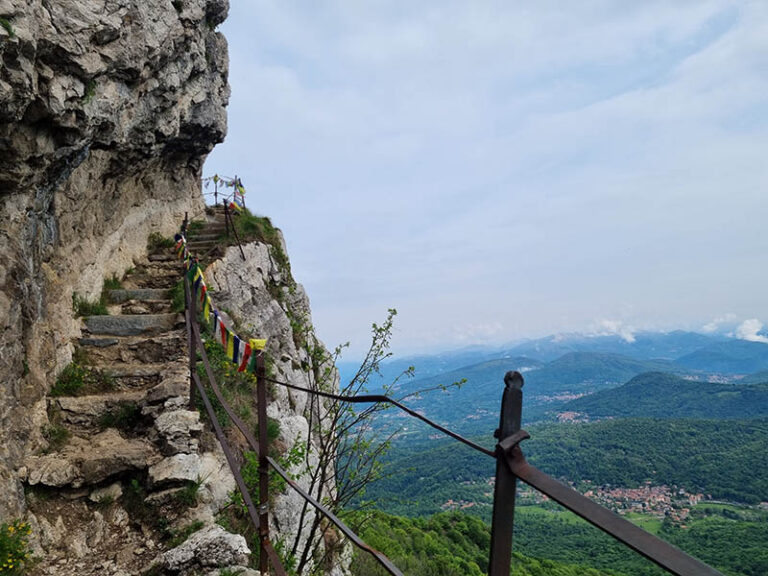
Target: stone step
<point x="145" y="307"/>
<point x="160" y="348"/>
<point x="163" y="257"/>
<point x="139" y="295"/>
<point x="141" y="281"/>
<point x="132" y="376"/>
<point x="91" y="461"/>
<point x="206" y="237"/>
<point x="201" y="243"/>
<point x="84" y="412"/>
<point x="130" y="325"/>
<point x="168" y="268"/>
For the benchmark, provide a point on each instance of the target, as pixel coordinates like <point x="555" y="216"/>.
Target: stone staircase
<point x="104" y="497"/>
<point x="204" y="239"/>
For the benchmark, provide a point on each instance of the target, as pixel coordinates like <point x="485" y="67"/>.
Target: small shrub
<point x="187" y="496"/>
<point x="8" y="27"/>
<point x="273" y="429"/>
<point x="179" y="536"/>
<point x="113" y="283"/>
<point x="83" y="307"/>
<point x="134" y="504"/>
<point x="90" y="91"/>
<point x="195" y="226"/>
<point x="178" y="302"/>
<point x="126" y="417"/>
<point x="71" y="380"/>
<point x="14" y="547"/>
<point x="76" y="379"/>
<point x="157" y="242"/>
<point x="57" y="436"/>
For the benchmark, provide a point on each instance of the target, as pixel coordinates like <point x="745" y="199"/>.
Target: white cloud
<point x="718" y="323"/>
<point x="615" y="327"/>
<point x="750" y="330"/>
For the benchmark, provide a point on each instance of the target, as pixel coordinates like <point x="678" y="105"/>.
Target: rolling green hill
<point x="724" y="458"/>
<point x="659" y="395"/>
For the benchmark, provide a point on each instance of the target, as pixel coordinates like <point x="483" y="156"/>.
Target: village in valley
<point x="661" y="501"/>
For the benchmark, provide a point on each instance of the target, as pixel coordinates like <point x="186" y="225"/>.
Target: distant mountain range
<point x="585" y="374"/>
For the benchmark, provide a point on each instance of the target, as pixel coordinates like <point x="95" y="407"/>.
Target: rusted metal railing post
<point x="506" y="482"/>
<point x="189" y="313"/>
<point x="226" y="219"/>
<point x="261" y="399"/>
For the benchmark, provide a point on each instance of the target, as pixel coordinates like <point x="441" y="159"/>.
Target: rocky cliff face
<point x="262" y="298"/>
<point x="107" y="110"/>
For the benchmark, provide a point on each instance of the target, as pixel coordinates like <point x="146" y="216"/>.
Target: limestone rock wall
<point x="107" y="111"/>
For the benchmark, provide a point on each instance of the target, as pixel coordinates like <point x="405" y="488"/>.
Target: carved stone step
<point x="91" y="461"/>
<point x="152" y="280"/>
<point x="163" y="257"/>
<point x="204" y="237"/>
<point x="138" y="349"/>
<point x="145" y="307"/>
<point x="131" y="325"/>
<point x="140" y="294"/>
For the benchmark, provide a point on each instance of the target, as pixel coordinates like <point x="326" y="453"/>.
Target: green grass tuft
<point x="77" y="379"/>
<point x="177" y="297"/>
<point x="57" y="437"/>
<point x="83" y="307"/>
<point x="181" y="535"/>
<point x="6" y="24"/>
<point x="125" y="417"/>
<point x="157" y="242"/>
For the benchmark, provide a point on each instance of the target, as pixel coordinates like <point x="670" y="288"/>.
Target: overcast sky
<point x="501" y="170"/>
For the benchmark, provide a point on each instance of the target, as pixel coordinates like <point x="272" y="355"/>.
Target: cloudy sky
<point x="500" y="170"/>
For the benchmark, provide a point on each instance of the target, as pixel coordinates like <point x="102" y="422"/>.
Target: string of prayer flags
<point x="239" y="351"/>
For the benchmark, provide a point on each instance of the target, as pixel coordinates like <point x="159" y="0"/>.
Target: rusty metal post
<point x="261" y="399"/>
<point x="506" y="482"/>
<point x="226" y="218"/>
<point x="191" y="316"/>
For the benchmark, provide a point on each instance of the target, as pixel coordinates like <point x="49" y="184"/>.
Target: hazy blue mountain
<point x="425" y="365"/>
<point x="474" y="408"/>
<point x="659" y="395"/>
<point x="646" y="346"/>
<point x="591" y="370"/>
<point x="728" y="357"/>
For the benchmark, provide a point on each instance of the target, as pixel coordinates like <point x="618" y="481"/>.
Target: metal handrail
<point x="193" y="334"/>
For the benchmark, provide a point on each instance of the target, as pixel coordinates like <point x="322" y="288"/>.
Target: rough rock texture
<point x="209" y="547"/>
<point x="107" y="110"/>
<point x="246" y="289"/>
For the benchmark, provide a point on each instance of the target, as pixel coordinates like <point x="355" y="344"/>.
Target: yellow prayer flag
<point x="258" y="344"/>
<point x="230" y="344"/>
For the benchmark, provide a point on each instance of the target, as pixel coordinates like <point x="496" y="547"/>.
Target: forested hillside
<point x="659" y="395"/>
<point x="726" y="459"/>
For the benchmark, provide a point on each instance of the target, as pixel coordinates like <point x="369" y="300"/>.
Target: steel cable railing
<point x="382" y="399"/>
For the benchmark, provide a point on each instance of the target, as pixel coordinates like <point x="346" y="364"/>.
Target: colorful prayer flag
<point x="246" y="357"/>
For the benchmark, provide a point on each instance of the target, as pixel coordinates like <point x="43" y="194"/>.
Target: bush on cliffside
<point x="14" y="547"/>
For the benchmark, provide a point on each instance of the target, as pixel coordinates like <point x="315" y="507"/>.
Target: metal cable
<point x="381" y="398"/>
